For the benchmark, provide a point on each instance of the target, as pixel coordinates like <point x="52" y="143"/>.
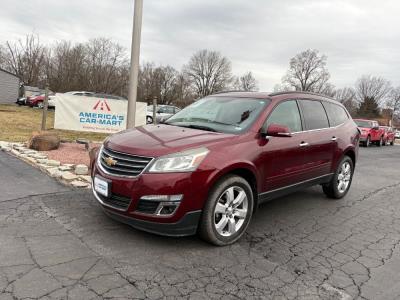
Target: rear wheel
<point x="227" y="212"/>
<point x="341" y="181"/>
<point x="367" y="143"/>
<point x="380" y="142"/>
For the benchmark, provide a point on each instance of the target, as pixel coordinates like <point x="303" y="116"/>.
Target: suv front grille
<point x="116" y="201"/>
<point x="123" y="164"/>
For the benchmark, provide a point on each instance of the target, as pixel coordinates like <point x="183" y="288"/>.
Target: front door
<point x="282" y="158"/>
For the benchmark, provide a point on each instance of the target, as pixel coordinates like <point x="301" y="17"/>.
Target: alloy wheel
<point x="230" y="211"/>
<point x="344" y="177"/>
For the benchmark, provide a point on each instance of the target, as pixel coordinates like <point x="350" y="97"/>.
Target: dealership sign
<point x="94" y="114"/>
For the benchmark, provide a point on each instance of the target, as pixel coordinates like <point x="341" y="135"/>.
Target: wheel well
<point x="251" y="179"/>
<point x="352" y="155"/>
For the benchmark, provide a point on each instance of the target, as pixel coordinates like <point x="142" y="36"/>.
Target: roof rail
<point x="300" y="92"/>
<point x="230" y="91"/>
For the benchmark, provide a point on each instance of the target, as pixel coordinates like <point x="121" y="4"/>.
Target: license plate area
<point x="102" y="186"/>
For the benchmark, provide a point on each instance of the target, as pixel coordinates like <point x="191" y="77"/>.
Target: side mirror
<point x="276" y="130"/>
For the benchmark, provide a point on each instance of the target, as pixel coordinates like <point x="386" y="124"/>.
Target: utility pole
<point x="134" y="71"/>
<point x="45" y="107"/>
<point x="155" y="110"/>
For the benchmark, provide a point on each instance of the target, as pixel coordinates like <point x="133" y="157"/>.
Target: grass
<point x="18" y="122"/>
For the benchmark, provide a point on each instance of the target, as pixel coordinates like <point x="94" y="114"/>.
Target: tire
<point x="40" y="105"/>
<point x="149" y="120"/>
<point x="367" y="143"/>
<point x="380" y="142"/>
<point x="392" y="143"/>
<point x="332" y="189"/>
<point x="232" y="218"/>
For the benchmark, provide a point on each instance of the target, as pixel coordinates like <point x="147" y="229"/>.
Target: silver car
<point x="163" y="112"/>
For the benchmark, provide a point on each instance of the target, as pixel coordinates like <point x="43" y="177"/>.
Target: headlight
<point x="186" y="161"/>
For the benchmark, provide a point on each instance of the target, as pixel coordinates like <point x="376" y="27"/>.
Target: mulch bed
<point x="71" y="153"/>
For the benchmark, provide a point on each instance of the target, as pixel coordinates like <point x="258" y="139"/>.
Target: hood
<point x="155" y="141"/>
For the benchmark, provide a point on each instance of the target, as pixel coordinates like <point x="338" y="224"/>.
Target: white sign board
<point x="93" y="114"/>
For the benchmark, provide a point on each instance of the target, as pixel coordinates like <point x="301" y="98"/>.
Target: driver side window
<point x="286" y="113"/>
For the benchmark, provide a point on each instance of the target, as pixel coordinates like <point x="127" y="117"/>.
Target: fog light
<point x="167" y="204"/>
<point x="162" y="197"/>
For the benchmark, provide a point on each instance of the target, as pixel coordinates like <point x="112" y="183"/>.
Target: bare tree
<point x="308" y="72"/>
<point x="374" y="88"/>
<point x="347" y="96"/>
<point x="246" y="82"/>
<point x="26" y="59"/>
<point x="208" y="72"/>
<point x="394" y="103"/>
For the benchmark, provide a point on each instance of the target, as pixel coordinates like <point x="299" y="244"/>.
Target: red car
<point x="389" y="136"/>
<point x="370" y="132"/>
<point x="35" y="101"/>
<point x="210" y="165"/>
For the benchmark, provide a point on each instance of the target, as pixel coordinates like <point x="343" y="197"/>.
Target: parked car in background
<point x="107" y="96"/>
<point x="370" y="132"/>
<point x="397" y="134"/>
<point x="38" y="101"/>
<point x="21" y="101"/>
<point x="33" y="101"/>
<point x="209" y="166"/>
<point x="163" y="112"/>
<point x="388" y="137"/>
<point x="79" y="93"/>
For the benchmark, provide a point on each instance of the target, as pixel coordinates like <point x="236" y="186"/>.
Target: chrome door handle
<point x="304" y="144"/>
<point x="334" y="138"/>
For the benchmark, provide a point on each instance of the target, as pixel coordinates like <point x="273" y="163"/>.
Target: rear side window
<point x="336" y="114"/>
<point x="286" y="113"/>
<point x="314" y="114"/>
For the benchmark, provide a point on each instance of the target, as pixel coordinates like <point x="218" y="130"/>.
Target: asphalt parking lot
<point x="56" y="243"/>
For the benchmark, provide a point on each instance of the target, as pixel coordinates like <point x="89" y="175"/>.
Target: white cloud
<point x="357" y="36"/>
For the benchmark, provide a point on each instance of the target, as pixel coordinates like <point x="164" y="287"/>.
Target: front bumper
<point x="182" y="222"/>
<point x="187" y="225"/>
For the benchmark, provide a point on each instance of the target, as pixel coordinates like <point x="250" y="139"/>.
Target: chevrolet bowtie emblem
<point x="110" y="161"/>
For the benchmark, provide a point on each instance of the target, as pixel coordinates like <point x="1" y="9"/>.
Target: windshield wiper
<point x="201" y="127"/>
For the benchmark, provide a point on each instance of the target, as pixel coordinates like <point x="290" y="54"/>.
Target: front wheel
<point x="341" y="181"/>
<point x="227" y="212"/>
<point x="149" y="120"/>
<point x="40" y="105"/>
<point x="368" y="142"/>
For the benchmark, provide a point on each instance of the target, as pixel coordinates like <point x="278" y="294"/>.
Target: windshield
<point x="365" y="124"/>
<point x="220" y="114"/>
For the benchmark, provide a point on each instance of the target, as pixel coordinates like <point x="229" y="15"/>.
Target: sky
<point x="358" y="36"/>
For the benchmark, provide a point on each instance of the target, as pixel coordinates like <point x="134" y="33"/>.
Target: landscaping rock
<point x="81" y="169"/>
<point x="15" y="152"/>
<point x="54" y="163"/>
<point x="64" y="168"/>
<point x="54" y="172"/>
<point x="44" y="141"/>
<point x="38" y="156"/>
<point x="85" y="178"/>
<point x="31" y="159"/>
<point x="79" y="184"/>
<point x="68" y="176"/>
<point x="42" y="161"/>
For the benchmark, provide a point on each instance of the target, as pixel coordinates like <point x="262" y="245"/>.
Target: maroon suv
<point x="208" y="167"/>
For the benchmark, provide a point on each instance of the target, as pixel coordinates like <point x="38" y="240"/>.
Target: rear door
<point x="282" y="158"/>
<point x="321" y="139"/>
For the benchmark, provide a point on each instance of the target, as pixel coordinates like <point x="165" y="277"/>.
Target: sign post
<point x="45" y="107"/>
<point x="134" y="70"/>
